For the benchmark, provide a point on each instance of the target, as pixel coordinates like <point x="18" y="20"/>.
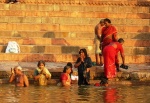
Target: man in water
<point x="20" y="79"/>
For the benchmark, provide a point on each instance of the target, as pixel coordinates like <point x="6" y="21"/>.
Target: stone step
<point x="48" y="41"/>
<point x="79" y="35"/>
<point x="53" y="49"/>
<point x="60" y="49"/>
<point x="34" y="57"/>
<point x="46" y="34"/>
<point x="95" y="8"/>
<point x="66" y="28"/>
<point x="72" y="20"/>
<point x="33" y="41"/>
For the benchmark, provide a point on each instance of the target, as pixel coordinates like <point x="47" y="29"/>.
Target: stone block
<point x="4" y="20"/>
<point x="69" y="49"/>
<point x="113" y="9"/>
<point x="53" y="49"/>
<point x="50" y="20"/>
<point x="4" y="7"/>
<point x="49" y="58"/>
<point x="34" y="57"/>
<point x="32" y="20"/>
<point x="77" y="28"/>
<point x="29" y="7"/>
<point x="49" y="8"/>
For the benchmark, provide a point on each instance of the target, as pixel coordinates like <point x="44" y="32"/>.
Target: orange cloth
<point x="107" y="31"/>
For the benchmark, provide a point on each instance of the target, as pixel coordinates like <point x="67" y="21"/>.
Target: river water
<point x="75" y="94"/>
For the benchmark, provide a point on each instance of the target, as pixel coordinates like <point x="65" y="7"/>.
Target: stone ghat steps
<point x="64" y="57"/>
<point x="89" y="41"/>
<point x="70" y="49"/>
<point x="58" y="7"/>
<point x="48" y="41"/>
<point x="46" y="34"/>
<point x="69" y="34"/>
<point x="117" y="19"/>
<point x="68" y="28"/>
<point x="52" y="49"/>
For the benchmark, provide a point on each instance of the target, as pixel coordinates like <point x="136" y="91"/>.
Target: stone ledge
<point x="85" y="2"/>
<point x="95" y="73"/>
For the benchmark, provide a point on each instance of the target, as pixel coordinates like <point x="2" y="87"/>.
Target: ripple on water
<point x="74" y="94"/>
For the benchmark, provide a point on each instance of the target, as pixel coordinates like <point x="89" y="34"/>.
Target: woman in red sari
<point x="109" y="53"/>
<point x="65" y="77"/>
<point x="109" y="33"/>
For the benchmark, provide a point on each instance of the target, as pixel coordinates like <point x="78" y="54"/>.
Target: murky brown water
<point x="85" y="94"/>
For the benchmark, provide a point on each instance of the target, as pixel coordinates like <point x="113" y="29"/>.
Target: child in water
<point x="103" y="82"/>
<point x="41" y="73"/>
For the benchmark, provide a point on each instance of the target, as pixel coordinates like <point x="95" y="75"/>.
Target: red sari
<point x="109" y="54"/>
<point x="107" y="31"/>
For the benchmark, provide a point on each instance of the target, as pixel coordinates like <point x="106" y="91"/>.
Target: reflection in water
<point x="83" y="94"/>
<point x="110" y="95"/>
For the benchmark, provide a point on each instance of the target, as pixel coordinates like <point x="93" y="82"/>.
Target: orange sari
<point x="106" y="32"/>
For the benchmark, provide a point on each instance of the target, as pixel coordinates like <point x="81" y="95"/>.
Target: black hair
<point x="69" y="64"/>
<point x="120" y="40"/>
<point x="104" y="81"/>
<point x="40" y="62"/>
<point x="83" y="50"/>
<point x="66" y="68"/>
<point x="107" y="20"/>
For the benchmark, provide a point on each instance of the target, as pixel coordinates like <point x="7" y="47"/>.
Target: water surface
<point x="84" y="94"/>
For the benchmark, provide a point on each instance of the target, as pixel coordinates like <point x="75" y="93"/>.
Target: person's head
<point x="104" y="82"/>
<point x="101" y="22"/>
<point x="69" y="64"/>
<point x="120" y="40"/>
<point x="41" y="64"/>
<point x="67" y="69"/>
<point x="17" y="69"/>
<point x="83" y="52"/>
<point x="107" y="22"/>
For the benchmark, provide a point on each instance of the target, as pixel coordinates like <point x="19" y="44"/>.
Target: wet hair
<point x="120" y="40"/>
<point x="66" y="68"/>
<point x="101" y="21"/>
<point x="18" y="67"/>
<point x="69" y="64"/>
<point x="40" y="62"/>
<point x="83" y="50"/>
<point x="104" y="81"/>
<point x="107" y="20"/>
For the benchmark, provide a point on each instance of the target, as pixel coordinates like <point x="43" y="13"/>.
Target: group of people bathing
<point x="107" y="48"/>
<point x="42" y="74"/>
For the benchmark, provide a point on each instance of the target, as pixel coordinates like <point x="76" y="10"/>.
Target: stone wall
<point x="55" y="30"/>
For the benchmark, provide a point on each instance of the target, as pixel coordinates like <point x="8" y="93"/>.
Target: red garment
<point x="119" y="48"/>
<point x="63" y="77"/>
<point x="107" y="31"/>
<point x="110" y="54"/>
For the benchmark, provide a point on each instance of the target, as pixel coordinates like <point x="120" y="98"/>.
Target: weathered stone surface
<point x="39" y="25"/>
